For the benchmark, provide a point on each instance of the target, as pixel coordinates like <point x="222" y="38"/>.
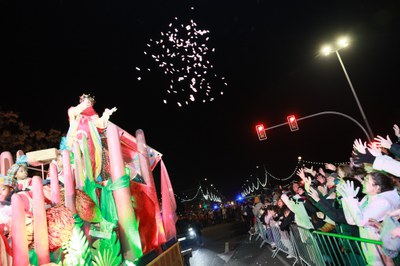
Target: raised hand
<point x="307" y="184"/>
<point x="301" y="174"/>
<point x="374" y="223"/>
<point x="347" y="189"/>
<point x="330" y="166"/>
<point x="396" y="130"/>
<point x="323" y="190"/>
<point x="109" y="112"/>
<point x="310" y="170"/>
<point x="313" y="194"/>
<point x="381" y="142"/>
<point x="359" y="146"/>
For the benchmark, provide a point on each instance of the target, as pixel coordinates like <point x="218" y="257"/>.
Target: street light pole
<point x="355" y="95"/>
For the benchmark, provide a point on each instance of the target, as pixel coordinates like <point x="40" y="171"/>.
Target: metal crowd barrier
<point x="317" y="248"/>
<point x="306" y="246"/>
<point x="279" y="240"/>
<point x="263" y="233"/>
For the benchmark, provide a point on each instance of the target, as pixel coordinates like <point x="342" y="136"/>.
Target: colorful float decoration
<point x="113" y="218"/>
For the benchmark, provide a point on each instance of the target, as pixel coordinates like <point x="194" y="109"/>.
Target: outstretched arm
<point x="103" y="120"/>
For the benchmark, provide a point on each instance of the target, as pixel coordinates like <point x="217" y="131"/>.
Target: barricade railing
<point x="306" y="246"/>
<point x="322" y="248"/>
<point x="282" y="242"/>
<point x="262" y="232"/>
<point x="279" y="240"/>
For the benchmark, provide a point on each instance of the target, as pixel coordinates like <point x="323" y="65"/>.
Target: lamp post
<point x="326" y="50"/>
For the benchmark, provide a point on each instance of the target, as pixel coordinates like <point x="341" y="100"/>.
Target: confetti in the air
<point x="182" y="53"/>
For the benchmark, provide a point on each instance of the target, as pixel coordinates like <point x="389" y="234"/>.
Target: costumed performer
<point x="20" y="173"/>
<point x="7" y="186"/>
<point x="84" y="121"/>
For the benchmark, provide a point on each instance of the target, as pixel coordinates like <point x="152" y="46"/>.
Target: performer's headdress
<point x="86" y="96"/>
<point x="12" y="171"/>
<point x="8" y="181"/>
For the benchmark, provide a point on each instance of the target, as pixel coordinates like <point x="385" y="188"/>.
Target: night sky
<point x="264" y="56"/>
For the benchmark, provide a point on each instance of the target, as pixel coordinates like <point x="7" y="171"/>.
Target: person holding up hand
<point x="85" y="122"/>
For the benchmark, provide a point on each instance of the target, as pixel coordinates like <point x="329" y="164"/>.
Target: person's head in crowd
<point x="7" y="186"/>
<point x="294" y="187"/>
<point x="285" y="210"/>
<point x="59" y="161"/>
<point x="272" y="209"/>
<point x="262" y="211"/>
<point x="359" y="173"/>
<point x="344" y="170"/>
<point x="332" y="179"/>
<point x="301" y="191"/>
<point x="276" y="195"/>
<point x="18" y="171"/>
<point x="256" y="200"/>
<point x="321" y="179"/>
<point x="280" y="203"/>
<point x="267" y="201"/>
<point x="396" y="182"/>
<point x="377" y="182"/>
<point x="301" y="194"/>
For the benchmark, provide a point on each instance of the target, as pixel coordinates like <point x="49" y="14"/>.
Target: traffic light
<point x="292" y="123"/>
<point x="261" y="132"/>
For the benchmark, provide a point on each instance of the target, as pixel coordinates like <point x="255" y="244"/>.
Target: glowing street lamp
<point x="328" y="49"/>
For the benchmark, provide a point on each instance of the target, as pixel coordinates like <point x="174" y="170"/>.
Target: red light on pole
<point x="262" y="135"/>
<point x="292" y="123"/>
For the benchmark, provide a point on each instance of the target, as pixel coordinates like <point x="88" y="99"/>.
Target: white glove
<point x="347" y="189"/>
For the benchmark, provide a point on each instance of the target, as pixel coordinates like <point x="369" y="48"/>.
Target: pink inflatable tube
<point x="55" y="187"/>
<point x="18" y="228"/>
<point x="40" y="235"/>
<point x="6" y="160"/>
<point x="130" y="239"/>
<point x="69" y="186"/>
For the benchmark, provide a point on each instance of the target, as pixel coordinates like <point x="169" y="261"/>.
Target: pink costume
<point x="84" y="125"/>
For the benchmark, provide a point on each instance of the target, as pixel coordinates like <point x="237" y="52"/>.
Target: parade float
<point x="98" y="206"/>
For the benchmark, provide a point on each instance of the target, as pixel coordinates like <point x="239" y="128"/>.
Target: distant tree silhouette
<point x="16" y="135"/>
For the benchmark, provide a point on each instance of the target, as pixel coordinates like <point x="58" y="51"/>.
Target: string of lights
<point x="195" y="196"/>
<point x="320" y="163"/>
<point x="301" y="163"/>
<point x="207" y="196"/>
<point x="210" y="196"/>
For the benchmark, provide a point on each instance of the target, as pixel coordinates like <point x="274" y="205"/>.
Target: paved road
<point x="229" y="244"/>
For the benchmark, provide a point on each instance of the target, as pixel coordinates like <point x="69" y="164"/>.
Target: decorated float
<point x="98" y="206"/>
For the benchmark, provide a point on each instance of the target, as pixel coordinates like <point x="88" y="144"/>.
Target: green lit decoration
<point x="77" y="250"/>
<point x="107" y="252"/>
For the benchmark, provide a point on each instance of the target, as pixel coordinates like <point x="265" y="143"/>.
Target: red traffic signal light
<point x="292" y="123"/>
<point x="261" y="132"/>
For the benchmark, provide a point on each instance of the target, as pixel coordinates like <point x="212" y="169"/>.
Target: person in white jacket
<point x="381" y="197"/>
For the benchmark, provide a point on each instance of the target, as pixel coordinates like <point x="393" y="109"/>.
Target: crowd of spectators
<point x="359" y="199"/>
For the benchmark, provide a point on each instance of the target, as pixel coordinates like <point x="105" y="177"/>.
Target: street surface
<point x="229" y="244"/>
